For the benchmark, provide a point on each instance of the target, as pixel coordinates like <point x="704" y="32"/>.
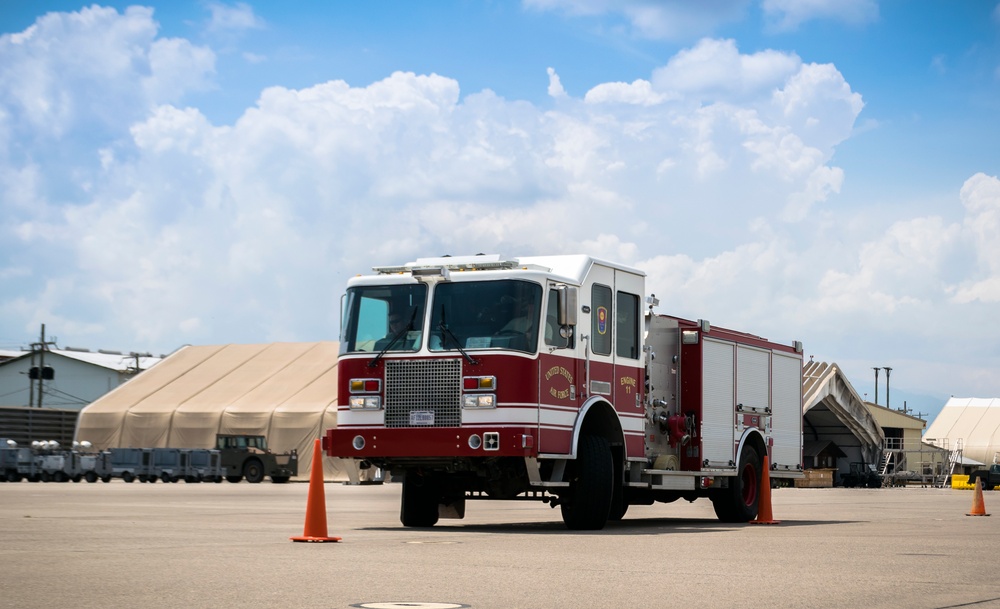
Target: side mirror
<point x="567" y="305"/>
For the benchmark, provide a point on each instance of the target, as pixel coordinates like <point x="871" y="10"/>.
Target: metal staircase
<point x="888" y="461"/>
<point x="954" y="457"/>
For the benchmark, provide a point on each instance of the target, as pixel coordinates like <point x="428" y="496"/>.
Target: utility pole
<point x="40" y="347"/>
<point x="876" y="384"/>
<point x="137" y="369"/>
<point x="887" y="371"/>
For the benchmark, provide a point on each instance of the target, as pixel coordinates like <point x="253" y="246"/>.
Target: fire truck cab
<point x="546" y="378"/>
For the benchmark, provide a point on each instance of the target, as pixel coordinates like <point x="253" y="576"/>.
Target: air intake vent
<point x="423" y="387"/>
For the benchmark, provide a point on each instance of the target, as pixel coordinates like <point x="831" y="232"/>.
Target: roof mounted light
<point x="436" y="273"/>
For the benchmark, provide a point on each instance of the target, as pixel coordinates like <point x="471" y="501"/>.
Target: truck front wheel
<point x="738" y="503"/>
<point x="253" y="471"/>
<point x="588" y="503"/>
<point x="419" y="505"/>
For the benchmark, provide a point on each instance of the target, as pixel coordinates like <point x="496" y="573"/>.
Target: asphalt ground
<point x="227" y="545"/>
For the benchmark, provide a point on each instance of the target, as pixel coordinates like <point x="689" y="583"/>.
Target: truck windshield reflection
<point x="485" y="315"/>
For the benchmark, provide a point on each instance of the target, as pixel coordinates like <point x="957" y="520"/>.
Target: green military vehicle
<point x="861" y="475"/>
<point x="990" y="477"/>
<point x="246" y="456"/>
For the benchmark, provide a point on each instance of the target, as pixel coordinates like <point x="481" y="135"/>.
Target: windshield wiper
<point x="447" y="332"/>
<point x="395" y="339"/>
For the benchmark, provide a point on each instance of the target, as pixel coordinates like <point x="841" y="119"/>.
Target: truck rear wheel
<point x="739" y="502"/>
<point x="419" y="505"/>
<point x="588" y="503"/>
<point x="253" y="471"/>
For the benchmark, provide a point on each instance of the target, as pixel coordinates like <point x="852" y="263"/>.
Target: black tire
<point x="619" y="502"/>
<point x="91" y="477"/>
<point x="105" y="478"/>
<point x="279" y="479"/>
<point x="419" y="504"/>
<point x="588" y="504"/>
<point x="740" y="501"/>
<point x="128" y="477"/>
<point x="253" y="471"/>
<point x="235" y="478"/>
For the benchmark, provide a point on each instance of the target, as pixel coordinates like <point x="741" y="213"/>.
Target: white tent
<point x="972" y="423"/>
<point x="285" y="391"/>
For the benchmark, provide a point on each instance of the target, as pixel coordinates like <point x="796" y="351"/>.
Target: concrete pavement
<point x="227" y="545"/>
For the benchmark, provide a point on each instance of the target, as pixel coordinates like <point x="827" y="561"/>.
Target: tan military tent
<point x="285" y="391"/>
<point x="970" y="423"/>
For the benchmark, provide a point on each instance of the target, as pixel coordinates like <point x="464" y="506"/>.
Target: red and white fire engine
<point x="546" y="378"/>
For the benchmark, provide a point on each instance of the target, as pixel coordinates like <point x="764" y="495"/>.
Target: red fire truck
<point x="485" y="377"/>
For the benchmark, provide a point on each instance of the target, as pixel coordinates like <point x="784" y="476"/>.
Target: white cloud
<point x="639" y="92"/>
<point x="981" y="198"/>
<point x="715" y="175"/>
<point x="663" y="19"/>
<point x="715" y="69"/>
<point x="789" y="14"/>
<point x="555" y="85"/>
<point x="326" y="180"/>
<point x="232" y="18"/>
<point x="71" y="69"/>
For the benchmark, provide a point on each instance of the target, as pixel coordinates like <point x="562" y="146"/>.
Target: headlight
<point x="479" y="401"/>
<point x="365" y="402"/>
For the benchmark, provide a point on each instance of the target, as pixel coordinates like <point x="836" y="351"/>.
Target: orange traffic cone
<point x="315" y="529"/>
<point x="978" y="506"/>
<point x="764" y="515"/>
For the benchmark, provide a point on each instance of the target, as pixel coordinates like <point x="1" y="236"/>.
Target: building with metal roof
<point x="65" y="378"/>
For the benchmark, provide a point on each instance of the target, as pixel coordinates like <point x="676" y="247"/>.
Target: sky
<point x="213" y="172"/>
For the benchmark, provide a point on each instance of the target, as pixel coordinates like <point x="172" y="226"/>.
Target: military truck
<point x="862" y="475"/>
<point x="247" y="456"/>
<point x="990" y="477"/>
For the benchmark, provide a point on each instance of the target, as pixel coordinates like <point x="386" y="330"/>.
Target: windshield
<point x="485" y="315"/>
<point x="380" y="317"/>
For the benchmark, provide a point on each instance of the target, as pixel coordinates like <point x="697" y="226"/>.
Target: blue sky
<point x="211" y="172"/>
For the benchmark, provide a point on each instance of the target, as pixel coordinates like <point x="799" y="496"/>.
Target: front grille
<point x="423" y="393"/>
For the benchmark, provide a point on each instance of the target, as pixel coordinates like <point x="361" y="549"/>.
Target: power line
<point x="52" y="391"/>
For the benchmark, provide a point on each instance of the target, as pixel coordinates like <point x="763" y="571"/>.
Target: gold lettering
<point x="560" y="394"/>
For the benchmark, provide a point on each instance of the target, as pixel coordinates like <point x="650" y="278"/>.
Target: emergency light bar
<point x="426" y="267"/>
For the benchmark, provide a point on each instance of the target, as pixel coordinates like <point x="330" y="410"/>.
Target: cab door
<point x="600" y="293"/>
<point x="629" y="372"/>
<point x="560" y="380"/>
